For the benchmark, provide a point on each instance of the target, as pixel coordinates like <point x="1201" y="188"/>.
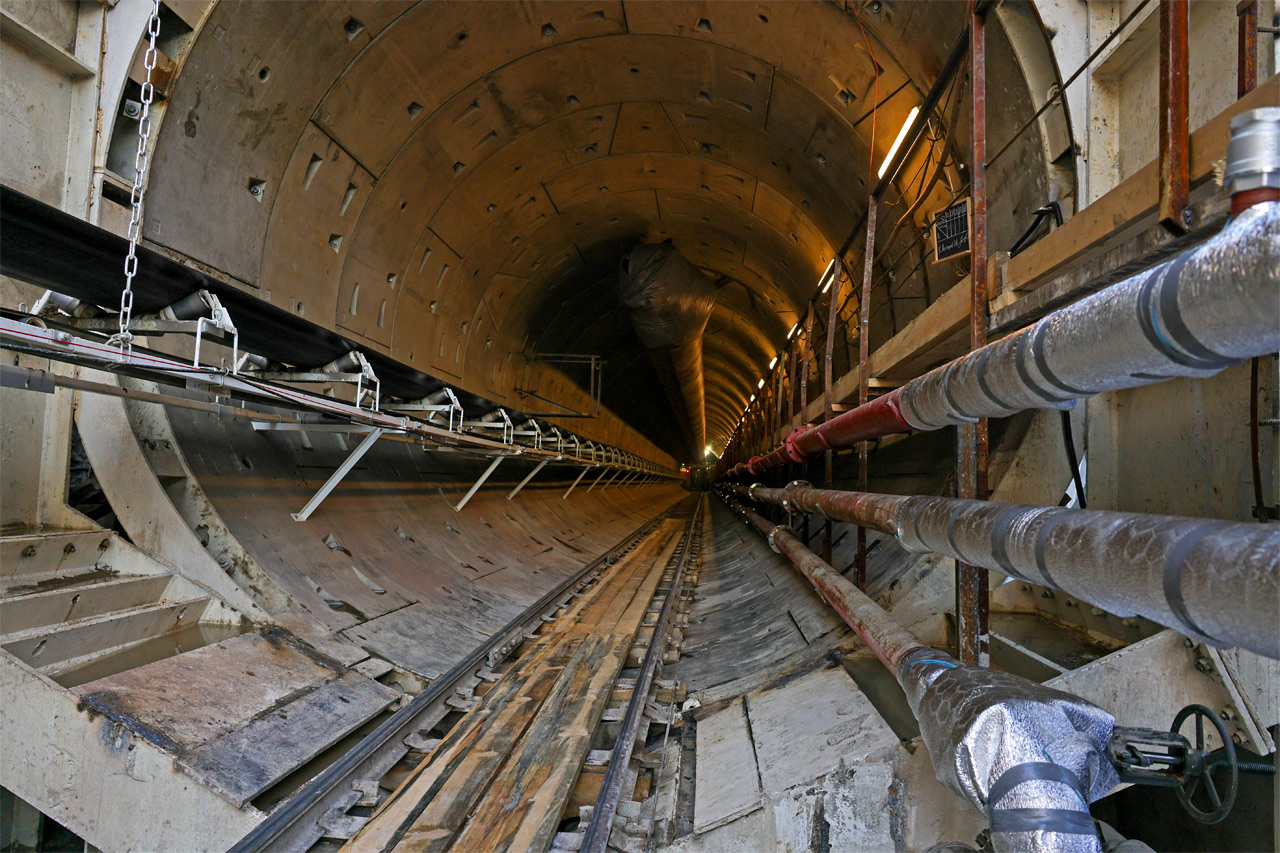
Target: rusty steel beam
<point x="1215" y="581"/>
<point x="828" y="380"/>
<point x="864" y="379"/>
<point x="1247" y="48"/>
<point x="1175" y="151"/>
<point x="882" y="634"/>
<point x="972" y="604"/>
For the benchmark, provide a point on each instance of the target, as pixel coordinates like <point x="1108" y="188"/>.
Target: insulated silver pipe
<point x="1207" y="309"/>
<point x="1216" y="581"/>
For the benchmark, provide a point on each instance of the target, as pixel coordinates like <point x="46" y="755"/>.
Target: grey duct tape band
<point x="1020" y="362"/>
<point x="1037" y="353"/>
<point x="1184" y="349"/>
<point x="981" y="372"/>
<point x="1035" y="819"/>
<point x="1044" y="820"/>
<point x="1171" y="316"/>
<point x="951" y="539"/>
<point x="1172" y="578"/>
<point x="999" y="534"/>
<point x="950" y="398"/>
<point x="1042" y="538"/>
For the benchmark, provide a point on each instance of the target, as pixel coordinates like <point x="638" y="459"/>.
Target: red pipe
<point x="876" y="419"/>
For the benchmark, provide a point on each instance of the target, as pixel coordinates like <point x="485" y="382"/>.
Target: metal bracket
<point x="528" y="477"/>
<point x="339" y="474"/>
<point x="497" y="460"/>
<point x="424" y="406"/>
<point x="352" y="368"/>
<point x="576" y="482"/>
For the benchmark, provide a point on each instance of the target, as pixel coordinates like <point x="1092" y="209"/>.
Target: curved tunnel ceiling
<point x="454" y="183"/>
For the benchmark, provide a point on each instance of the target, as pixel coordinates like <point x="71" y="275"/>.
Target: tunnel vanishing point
<point x="638" y="426"/>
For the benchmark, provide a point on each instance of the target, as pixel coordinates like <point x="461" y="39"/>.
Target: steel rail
<point x="402" y="722"/>
<point x="600" y="826"/>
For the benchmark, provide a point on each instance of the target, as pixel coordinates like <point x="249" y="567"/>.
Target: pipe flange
<point x="751" y="491"/>
<point x="1253" y="152"/>
<point x="773" y="532"/>
<point x="799" y="484"/>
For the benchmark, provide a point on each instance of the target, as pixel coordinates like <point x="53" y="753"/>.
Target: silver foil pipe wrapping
<point x="1195" y="315"/>
<point x="1217" y="581"/>
<point x="1029" y="757"/>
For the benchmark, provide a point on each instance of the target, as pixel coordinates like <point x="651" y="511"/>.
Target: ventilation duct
<point x="670" y="301"/>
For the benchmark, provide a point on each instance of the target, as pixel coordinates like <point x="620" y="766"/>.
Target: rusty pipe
<point x="882" y="634"/>
<point x="980" y="725"/>
<point x="1195" y="315"/>
<point x="1216" y="581"/>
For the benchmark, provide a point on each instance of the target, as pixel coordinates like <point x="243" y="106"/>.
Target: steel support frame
<point x="527" y="478"/>
<point x="334" y="479"/>
<point x="828" y="401"/>
<point x="493" y="466"/>
<point x="1175" y="150"/>
<point x="575" y="483"/>
<point x="972" y="593"/>
<point x="864" y="379"/>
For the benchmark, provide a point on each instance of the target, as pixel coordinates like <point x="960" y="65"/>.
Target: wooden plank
<point x="727" y="784"/>
<point x="203" y="694"/>
<point x="247" y="761"/>
<point x="1134" y="198"/>
<point x="809" y="726"/>
<point x="417" y="638"/>
<point x="521" y="811"/>
<point x="42" y="609"/>
<point x="453" y="800"/>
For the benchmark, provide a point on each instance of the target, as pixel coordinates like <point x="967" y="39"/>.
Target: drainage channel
<point x="549" y="736"/>
<point x="337" y="800"/>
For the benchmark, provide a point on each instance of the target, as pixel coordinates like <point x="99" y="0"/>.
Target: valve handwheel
<point x="1208" y="783"/>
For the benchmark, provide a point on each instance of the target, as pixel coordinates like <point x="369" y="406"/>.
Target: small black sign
<point x="951" y="231"/>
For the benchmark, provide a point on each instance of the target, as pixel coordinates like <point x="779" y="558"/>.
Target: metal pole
<point x="598" y="479"/>
<point x="972" y="596"/>
<point x="497" y="460"/>
<point x="527" y="478"/>
<point x="864" y="379"/>
<point x="334" y="479"/>
<point x="1175" y="158"/>
<point x="828" y="458"/>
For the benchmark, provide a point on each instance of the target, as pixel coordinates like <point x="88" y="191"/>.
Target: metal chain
<point x="124" y="338"/>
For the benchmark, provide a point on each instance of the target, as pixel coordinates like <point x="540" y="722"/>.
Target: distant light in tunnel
<point x="772" y="362"/>
<point x="902" y="134"/>
<point x="826" y="279"/>
<point x="707" y="451"/>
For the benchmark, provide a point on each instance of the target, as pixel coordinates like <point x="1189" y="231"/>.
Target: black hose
<point x="1071" y="456"/>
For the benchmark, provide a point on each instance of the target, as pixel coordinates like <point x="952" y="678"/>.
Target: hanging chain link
<point x="124" y="338"/>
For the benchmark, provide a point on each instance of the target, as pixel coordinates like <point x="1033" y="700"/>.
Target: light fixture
<point x="752" y="400"/>
<point x="902" y="134"/>
<point x="707" y="451"/>
<point x="772" y="362"/>
<point x="793" y="331"/>
<point x="760" y="384"/>
<point x="827" y="276"/>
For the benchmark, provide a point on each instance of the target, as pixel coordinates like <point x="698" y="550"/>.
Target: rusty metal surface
<point x="972" y="603"/>
<point x="864" y="377"/>
<point x="884" y="636"/>
<point x="1175" y="96"/>
<point x="1247" y="47"/>
<point x="1216" y="581"/>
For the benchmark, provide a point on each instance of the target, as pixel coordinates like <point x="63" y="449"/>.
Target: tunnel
<point x="638" y="426"/>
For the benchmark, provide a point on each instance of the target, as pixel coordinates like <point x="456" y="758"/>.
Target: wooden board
<point x="809" y="726"/>
<point x="192" y="698"/>
<point x="727" y="781"/>
<point x="417" y="638"/>
<point x="247" y="761"/>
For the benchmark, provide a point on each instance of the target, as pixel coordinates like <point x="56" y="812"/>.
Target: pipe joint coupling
<point x="789" y="445"/>
<point x="781" y="528"/>
<point x="1253" y="152"/>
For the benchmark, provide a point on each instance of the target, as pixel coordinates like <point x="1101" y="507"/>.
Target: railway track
<point x="337" y="801"/>
<point x="544" y="757"/>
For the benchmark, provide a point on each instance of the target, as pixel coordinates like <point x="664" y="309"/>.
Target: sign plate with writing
<point x="951" y="232"/>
